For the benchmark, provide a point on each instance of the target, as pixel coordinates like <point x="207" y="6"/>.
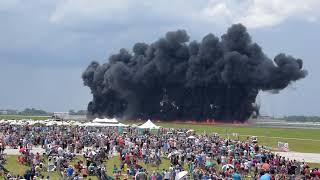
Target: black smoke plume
<point x="173" y="79"/>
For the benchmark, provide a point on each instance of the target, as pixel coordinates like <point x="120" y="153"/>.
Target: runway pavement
<point x="10" y="151"/>
<point x="307" y="157"/>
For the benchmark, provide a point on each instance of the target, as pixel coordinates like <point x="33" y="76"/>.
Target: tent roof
<point x="96" y="124"/>
<point x="149" y="125"/>
<point x="105" y="120"/>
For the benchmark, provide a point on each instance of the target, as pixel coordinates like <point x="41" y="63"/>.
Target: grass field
<point x="17" y="169"/>
<point x="300" y="140"/>
<point x="18" y="117"/>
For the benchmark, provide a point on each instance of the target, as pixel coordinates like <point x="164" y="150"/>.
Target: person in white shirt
<point x="166" y="175"/>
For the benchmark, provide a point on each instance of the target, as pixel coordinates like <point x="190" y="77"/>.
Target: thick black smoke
<point x="172" y="79"/>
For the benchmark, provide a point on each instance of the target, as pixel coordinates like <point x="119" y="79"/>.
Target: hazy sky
<point x="45" y="45"/>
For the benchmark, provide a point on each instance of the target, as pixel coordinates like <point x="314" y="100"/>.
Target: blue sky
<point x="45" y="45"/>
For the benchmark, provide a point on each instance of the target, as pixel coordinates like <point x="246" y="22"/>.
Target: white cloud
<point x="263" y="13"/>
<point x="252" y="13"/>
<point x="217" y="10"/>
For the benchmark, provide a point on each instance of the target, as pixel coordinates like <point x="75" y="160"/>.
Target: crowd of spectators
<point x="187" y="155"/>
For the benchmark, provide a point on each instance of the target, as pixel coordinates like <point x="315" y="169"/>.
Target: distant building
<point x="264" y="116"/>
<point x="60" y="116"/>
<point x="5" y="112"/>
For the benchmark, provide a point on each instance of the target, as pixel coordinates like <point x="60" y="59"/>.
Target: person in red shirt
<point x="127" y="158"/>
<point x="84" y="172"/>
<point x="238" y="166"/>
<point x="230" y="160"/>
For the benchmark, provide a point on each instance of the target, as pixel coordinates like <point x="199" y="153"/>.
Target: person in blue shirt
<point x="236" y="176"/>
<point x="159" y="177"/>
<point x="265" y="176"/>
<point x="206" y="177"/>
<point x="27" y="175"/>
<point x="70" y="171"/>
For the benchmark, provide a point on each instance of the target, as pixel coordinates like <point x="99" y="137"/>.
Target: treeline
<point x="37" y="112"/>
<point x="80" y="112"/>
<point x="34" y="112"/>
<point x="26" y="112"/>
<point x="302" y="118"/>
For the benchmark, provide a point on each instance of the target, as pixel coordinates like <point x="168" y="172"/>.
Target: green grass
<point x="271" y="136"/>
<point x="314" y="165"/>
<point x="18" y="117"/>
<point x="17" y="169"/>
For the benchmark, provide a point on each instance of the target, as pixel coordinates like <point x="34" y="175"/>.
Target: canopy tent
<point x="76" y="123"/>
<point x="191" y="137"/>
<point x="51" y="123"/>
<point x="149" y="125"/>
<point x="95" y="124"/>
<point x="105" y="120"/>
<point x="122" y="125"/>
<point x="134" y="125"/>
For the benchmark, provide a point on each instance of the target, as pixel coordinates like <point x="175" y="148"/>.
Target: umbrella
<point x="191" y="137"/>
<point x="181" y="175"/>
<point x="141" y="175"/>
<point x="227" y="166"/>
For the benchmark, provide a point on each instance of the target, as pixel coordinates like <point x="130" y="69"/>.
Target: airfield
<point x="303" y="139"/>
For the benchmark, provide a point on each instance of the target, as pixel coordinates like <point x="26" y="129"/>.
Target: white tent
<point x="51" y="123"/>
<point x="85" y="124"/>
<point x="191" y="137"/>
<point x="149" y="125"/>
<point x="123" y="125"/>
<point x="105" y="120"/>
<point x="106" y="123"/>
<point x="95" y="124"/>
<point x="77" y="123"/>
